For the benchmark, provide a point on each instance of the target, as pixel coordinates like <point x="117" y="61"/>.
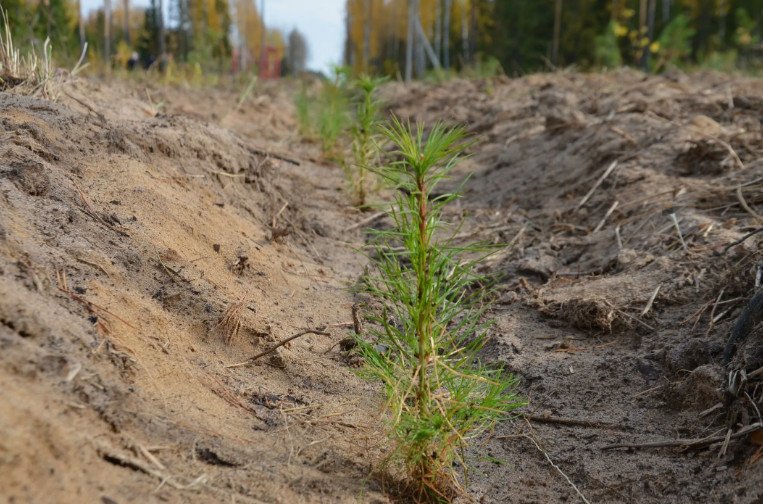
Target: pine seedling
<point x="429" y="329"/>
<point x="303" y="111"/>
<point x="365" y="132"/>
<point x="333" y="111"/>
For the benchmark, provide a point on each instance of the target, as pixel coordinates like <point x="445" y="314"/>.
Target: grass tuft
<point x="30" y="74"/>
<point x="325" y="114"/>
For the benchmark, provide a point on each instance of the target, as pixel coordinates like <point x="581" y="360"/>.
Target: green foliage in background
<point x="325" y="113"/>
<point x="364" y="134"/>
<point x="302" y="104"/>
<point x="675" y="42"/>
<point x="608" y="48"/>
<point x="333" y="112"/>
<point x="429" y="327"/>
<point x="31" y="23"/>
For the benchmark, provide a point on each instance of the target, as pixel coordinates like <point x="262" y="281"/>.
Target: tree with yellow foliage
<point x="412" y="36"/>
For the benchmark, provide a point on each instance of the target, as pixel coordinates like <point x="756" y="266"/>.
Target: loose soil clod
<point x="231" y="320"/>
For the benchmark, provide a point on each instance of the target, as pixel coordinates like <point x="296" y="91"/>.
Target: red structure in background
<point x="269" y="68"/>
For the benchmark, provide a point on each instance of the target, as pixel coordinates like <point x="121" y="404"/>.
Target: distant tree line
<point x="410" y="37"/>
<point x="211" y="33"/>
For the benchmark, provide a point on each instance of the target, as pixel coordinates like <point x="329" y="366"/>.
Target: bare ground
<point x="135" y="238"/>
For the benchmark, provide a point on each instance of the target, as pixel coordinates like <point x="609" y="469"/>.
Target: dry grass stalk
<point x="231" y="321"/>
<point x="744" y="204"/>
<point x="92" y="213"/>
<point x="535" y="441"/>
<point x="606" y="216"/>
<point x="31" y="74"/>
<point x="692" y="443"/>
<point x="606" y="173"/>
<point x="175" y="481"/>
<point x="651" y="301"/>
<point x="223" y="392"/>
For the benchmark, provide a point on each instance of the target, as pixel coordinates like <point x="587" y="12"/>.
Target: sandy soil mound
<point x="142" y="228"/>
<point x="131" y="246"/>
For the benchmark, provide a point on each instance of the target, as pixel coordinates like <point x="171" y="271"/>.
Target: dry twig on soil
<point x="744" y="204"/>
<point x="89" y="211"/>
<point x="275" y="232"/>
<point x="61" y="276"/>
<point x="270" y="154"/>
<point x="752" y="314"/>
<point x="606" y="173"/>
<point x="534" y="441"/>
<point x="100" y="116"/>
<point x="367" y="220"/>
<point x="275" y="347"/>
<point x="573" y="421"/>
<point x="689" y="443"/>
<point x="221" y="391"/>
<point x="742" y="239"/>
<point x="114" y="457"/>
<point x="651" y="301"/>
<point x="712" y="313"/>
<point x="606" y="216"/>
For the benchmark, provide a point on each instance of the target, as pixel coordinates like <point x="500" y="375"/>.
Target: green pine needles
<point x="429" y="329"/>
<point x="364" y="132"/>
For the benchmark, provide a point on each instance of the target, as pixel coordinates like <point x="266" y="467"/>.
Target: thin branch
<point x="531" y="437"/>
<point x="572" y="421"/>
<point x="678" y="230"/>
<point x="270" y="154"/>
<point x="744" y="204"/>
<point x="651" y="301"/>
<point x="609" y="170"/>
<point x="688" y="443"/>
<point x="367" y="220"/>
<point x="274" y="348"/>
<point x="89" y="304"/>
<point x="737" y="242"/>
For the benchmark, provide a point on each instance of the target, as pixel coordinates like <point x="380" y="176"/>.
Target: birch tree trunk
<point x="263" y="41"/>
<point x="419" y="46"/>
<point x="409" y="41"/>
<point x="446" y="36"/>
<point x="465" y="35"/>
<point x="367" y="20"/>
<point x="349" y="52"/>
<point x="81" y="25"/>
<point x="642" y="12"/>
<point x="666" y="11"/>
<point x="126" y="7"/>
<point x="472" y="31"/>
<point x="160" y="18"/>
<point x="650" y="32"/>
<point x="437" y="29"/>
<point x="557" y="33"/>
<point x="107" y="33"/>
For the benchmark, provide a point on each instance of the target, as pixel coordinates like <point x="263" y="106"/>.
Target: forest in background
<point x="488" y="36"/>
<point x="211" y="35"/>
<point x="525" y="36"/>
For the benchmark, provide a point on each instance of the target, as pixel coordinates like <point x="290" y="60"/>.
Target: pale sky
<point x="320" y="21"/>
